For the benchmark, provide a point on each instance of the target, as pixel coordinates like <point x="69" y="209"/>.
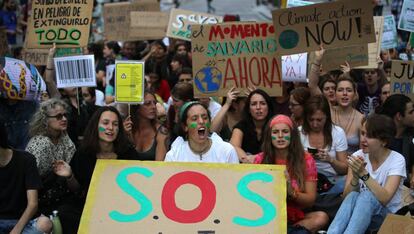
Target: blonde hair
<point x="38" y="124"/>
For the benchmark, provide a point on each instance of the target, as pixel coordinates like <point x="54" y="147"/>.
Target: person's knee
<point x="321" y="219"/>
<point x="44" y="224"/>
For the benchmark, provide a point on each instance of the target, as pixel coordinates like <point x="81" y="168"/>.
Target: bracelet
<point x="353" y="185"/>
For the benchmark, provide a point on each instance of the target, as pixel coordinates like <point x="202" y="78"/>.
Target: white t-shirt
<point x="339" y="144"/>
<point x="220" y="152"/>
<point x="393" y="165"/>
<point x="214" y="108"/>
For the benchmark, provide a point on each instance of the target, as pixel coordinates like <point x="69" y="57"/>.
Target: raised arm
<point x="315" y="72"/>
<point x="50" y="74"/>
<point x="218" y="121"/>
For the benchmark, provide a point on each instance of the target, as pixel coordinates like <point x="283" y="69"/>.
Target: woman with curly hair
<point x="50" y="143"/>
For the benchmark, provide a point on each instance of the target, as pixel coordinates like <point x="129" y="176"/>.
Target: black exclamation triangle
<point x="358" y="22"/>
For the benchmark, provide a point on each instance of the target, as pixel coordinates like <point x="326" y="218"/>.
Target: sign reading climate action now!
<point x="235" y="54"/>
<point x="64" y="22"/>
<point x="334" y="24"/>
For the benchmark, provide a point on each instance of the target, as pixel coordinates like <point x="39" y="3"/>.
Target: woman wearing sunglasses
<point x="50" y="143"/>
<point x="148" y="136"/>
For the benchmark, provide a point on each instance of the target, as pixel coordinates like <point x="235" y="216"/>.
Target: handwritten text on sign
<point x="334" y="24"/>
<point x="402" y="78"/>
<point x="181" y="20"/>
<point x="64" y="22"/>
<point x="235" y="54"/>
<point x="294" y="67"/>
<point x="163" y="197"/>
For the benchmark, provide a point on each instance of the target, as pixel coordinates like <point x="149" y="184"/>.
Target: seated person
<point x="374" y="182"/>
<point x="194" y="143"/>
<point x="19" y="182"/>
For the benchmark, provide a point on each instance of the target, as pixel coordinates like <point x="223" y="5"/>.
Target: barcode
<point x="74" y="71"/>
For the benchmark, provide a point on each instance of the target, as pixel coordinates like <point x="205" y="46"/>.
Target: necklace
<point x="350" y="118"/>
<point x="200" y="152"/>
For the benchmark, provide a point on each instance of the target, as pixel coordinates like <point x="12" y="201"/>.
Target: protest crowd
<point x="344" y="133"/>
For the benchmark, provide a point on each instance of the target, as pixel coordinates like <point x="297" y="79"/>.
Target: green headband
<point x="185" y="107"/>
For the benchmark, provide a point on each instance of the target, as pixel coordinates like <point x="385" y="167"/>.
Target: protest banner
<point x="334" y="24"/>
<point x="20" y="80"/>
<point x="411" y="40"/>
<point x="148" y="25"/>
<point x="407" y="16"/>
<point x="179" y="25"/>
<point x="294" y="67"/>
<point x="159" y="197"/>
<point x="334" y="58"/>
<point x="129" y="81"/>
<point x="39" y="56"/>
<point x="402" y="74"/>
<point x="75" y="71"/>
<point x="117" y="18"/>
<point x="4" y="45"/>
<point x="374" y="49"/>
<point x="235" y="54"/>
<point x="64" y="22"/>
<point x="389" y="33"/>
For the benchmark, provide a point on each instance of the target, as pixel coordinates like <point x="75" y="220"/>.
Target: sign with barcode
<point x="75" y="71"/>
<point x="129" y="81"/>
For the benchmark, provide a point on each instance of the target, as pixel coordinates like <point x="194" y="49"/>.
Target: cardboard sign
<point x="402" y="74"/>
<point x="333" y="24"/>
<point x="160" y="197"/>
<point x="129" y="81"/>
<point x="148" y="25"/>
<point x="407" y="16"/>
<point x="397" y="224"/>
<point x="374" y="49"/>
<point x="66" y="23"/>
<point x="4" y="45"/>
<point x="75" y="71"/>
<point x="117" y="18"/>
<point x="39" y="56"/>
<point x="294" y="67"/>
<point x="334" y="58"/>
<point x="389" y="33"/>
<point x="20" y="80"/>
<point x="235" y="54"/>
<point x="180" y="22"/>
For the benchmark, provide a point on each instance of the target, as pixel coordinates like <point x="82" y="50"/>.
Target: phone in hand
<point x="313" y="151"/>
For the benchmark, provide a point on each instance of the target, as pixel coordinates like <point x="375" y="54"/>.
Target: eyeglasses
<point x="58" y="116"/>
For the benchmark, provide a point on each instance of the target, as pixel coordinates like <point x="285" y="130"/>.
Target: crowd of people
<point x="346" y="142"/>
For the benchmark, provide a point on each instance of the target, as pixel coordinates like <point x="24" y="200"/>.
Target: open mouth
<point x="201" y="131"/>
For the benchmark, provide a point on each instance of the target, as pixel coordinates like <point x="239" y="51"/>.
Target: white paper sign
<point x="75" y="71"/>
<point x="110" y="69"/>
<point x="294" y="67"/>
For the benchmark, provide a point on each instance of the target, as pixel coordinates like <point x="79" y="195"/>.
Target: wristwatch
<point x="365" y="177"/>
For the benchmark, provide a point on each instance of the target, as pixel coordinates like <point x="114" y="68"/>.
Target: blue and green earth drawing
<point x="208" y="79"/>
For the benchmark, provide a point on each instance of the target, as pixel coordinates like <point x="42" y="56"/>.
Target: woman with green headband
<point x="194" y="143"/>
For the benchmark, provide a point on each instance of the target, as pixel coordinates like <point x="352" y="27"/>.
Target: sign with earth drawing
<point x="235" y="54"/>
<point x="334" y="24"/>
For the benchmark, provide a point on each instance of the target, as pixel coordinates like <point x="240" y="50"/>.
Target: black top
<point x="83" y="164"/>
<point x="18" y="176"/>
<point x="250" y="143"/>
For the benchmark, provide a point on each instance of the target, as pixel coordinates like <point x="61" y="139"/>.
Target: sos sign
<point x="158" y="197"/>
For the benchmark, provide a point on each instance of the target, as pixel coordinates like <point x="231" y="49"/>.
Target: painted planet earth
<point x="208" y="79"/>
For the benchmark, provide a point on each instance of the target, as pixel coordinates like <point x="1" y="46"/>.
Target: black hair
<point x="96" y="49"/>
<point x="114" y="46"/>
<point x="4" y="142"/>
<point x="396" y="103"/>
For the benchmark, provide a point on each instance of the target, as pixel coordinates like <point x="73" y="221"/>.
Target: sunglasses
<point x="58" y="116"/>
